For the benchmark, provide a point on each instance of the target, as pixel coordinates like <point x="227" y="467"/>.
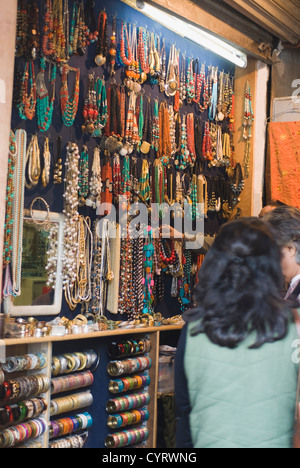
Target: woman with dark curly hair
<point x="235" y="379"/>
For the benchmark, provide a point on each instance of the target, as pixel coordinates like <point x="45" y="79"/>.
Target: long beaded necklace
<point x="207" y="143"/>
<point x="213" y="104"/>
<point x="237" y="184"/>
<point x="190" y="124"/>
<point x="33" y="30"/>
<point x="126" y="299"/>
<point x="9" y="220"/>
<point x="156" y="128"/>
<point x="138" y="246"/>
<point x="57" y="173"/>
<point x="102" y="44"/>
<point x="113" y="47"/>
<point x="117" y="178"/>
<point x="71" y="243"/>
<point x="27" y="106"/>
<point x="83" y="182"/>
<point x="44" y="104"/>
<point x="148" y="280"/>
<point x="145" y="191"/>
<point x="164" y="148"/>
<point x="22" y="27"/>
<point x="158" y="189"/>
<point x="205" y="95"/>
<point x="18" y="212"/>
<point x="47" y="42"/>
<point x="126" y="56"/>
<point x="94" y="198"/>
<point x="90" y="111"/>
<point x="47" y="163"/>
<point x="69" y="106"/>
<point x="33" y="163"/>
<point x="247" y="125"/>
<point x="202" y="195"/>
<point x="132" y="131"/>
<point x="183" y="157"/>
<point x="59" y="37"/>
<point x="107" y="189"/>
<point x="143" y="57"/>
<point x="190" y="82"/>
<point x="101" y="103"/>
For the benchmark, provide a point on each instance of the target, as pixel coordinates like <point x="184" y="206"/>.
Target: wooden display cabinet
<point x="47" y="345"/>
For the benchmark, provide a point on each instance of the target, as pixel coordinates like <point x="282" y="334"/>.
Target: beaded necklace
<point x="163" y="61"/>
<point x="158" y="182"/>
<point x="183" y="157"/>
<point x="247" y="125"/>
<point x="117" y="178"/>
<point x="126" y="180"/>
<point x="9" y="220"/>
<point x="204" y="84"/>
<point x="113" y="47"/>
<point x="18" y="212"/>
<point x="213" y="105"/>
<point x="132" y="131"/>
<point x="44" y="104"/>
<point x="207" y="143"/>
<point x="59" y="37"/>
<point x="191" y="138"/>
<point x="164" y="149"/>
<point x="22" y="27"/>
<point x="146" y="138"/>
<point x="94" y="198"/>
<point x="90" y="111"/>
<point x="47" y="43"/>
<point x="143" y="54"/>
<point x="156" y="128"/>
<point x="83" y="182"/>
<point x="138" y="246"/>
<point x="57" y="173"/>
<point x="148" y="280"/>
<point x="126" y="298"/>
<point x="47" y="163"/>
<point x="102" y="44"/>
<point x="27" y="106"/>
<point x="33" y="163"/>
<point x="145" y="182"/>
<point x="107" y="189"/>
<point x="33" y="30"/>
<point x="71" y="242"/>
<point x="69" y="106"/>
<point x="237" y="183"/>
<point x="91" y="29"/>
<point x="190" y="82"/>
<point x="202" y="195"/>
<point x="126" y="56"/>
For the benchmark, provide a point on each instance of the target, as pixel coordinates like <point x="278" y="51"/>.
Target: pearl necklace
<point x="94" y="198"/>
<point x="47" y="163"/>
<point x="18" y="212"/>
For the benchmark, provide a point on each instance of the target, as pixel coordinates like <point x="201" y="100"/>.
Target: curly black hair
<point x="238" y="292"/>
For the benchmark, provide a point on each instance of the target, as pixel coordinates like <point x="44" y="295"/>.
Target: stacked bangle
<point x="19" y="412"/>
<point x="74" y="362"/>
<point x="128" y="402"/>
<point x="127" y="419"/>
<point x="129" y="383"/>
<point x="126" y="438"/>
<point x="75" y="441"/>
<point x="71" y="382"/>
<point x="71" y="403"/>
<point x="27" y="362"/>
<point x="128" y="366"/>
<point x="24" y="387"/>
<point x="129" y="347"/>
<point x="65" y="426"/>
<point x="22" y="432"/>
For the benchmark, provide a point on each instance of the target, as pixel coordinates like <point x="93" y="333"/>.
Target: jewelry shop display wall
<point x="108" y="103"/>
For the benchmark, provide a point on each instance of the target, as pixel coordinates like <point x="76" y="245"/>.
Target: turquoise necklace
<point x="102" y="108"/>
<point x="83" y="181"/>
<point x="45" y="104"/>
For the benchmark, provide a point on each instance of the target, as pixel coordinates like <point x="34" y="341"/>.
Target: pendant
<point x="100" y="60"/>
<point x="145" y="147"/>
<point x="41" y="88"/>
<point x="221" y="116"/>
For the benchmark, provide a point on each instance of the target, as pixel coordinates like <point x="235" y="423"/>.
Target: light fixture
<point x="191" y="32"/>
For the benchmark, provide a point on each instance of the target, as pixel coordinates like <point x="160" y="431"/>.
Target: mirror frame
<point x="40" y="310"/>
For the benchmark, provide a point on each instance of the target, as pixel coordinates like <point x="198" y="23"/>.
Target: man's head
<point x="285" y="223"/>
<point x="270" y="207"/>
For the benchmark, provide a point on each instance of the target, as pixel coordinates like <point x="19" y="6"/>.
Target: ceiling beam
<point x="272" y="15"/>
<point x="198" y="16"/>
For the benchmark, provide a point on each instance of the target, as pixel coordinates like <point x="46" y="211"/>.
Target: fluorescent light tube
<point x="193" y="33"/>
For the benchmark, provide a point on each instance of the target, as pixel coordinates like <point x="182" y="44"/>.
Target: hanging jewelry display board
<point x="109" y="104"/>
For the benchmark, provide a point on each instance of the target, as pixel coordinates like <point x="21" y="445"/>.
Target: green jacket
<point x="241" y="398"/>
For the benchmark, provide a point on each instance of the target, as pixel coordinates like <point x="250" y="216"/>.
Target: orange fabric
<point x="285" y="162"/>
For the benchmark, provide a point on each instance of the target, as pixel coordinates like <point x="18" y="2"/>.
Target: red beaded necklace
<point x="125" y="51"/>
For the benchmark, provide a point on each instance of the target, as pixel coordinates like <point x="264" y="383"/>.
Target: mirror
<point x="41" y="282"/>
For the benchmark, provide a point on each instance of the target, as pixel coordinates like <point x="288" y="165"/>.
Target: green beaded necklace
<point x="44" y="104"/>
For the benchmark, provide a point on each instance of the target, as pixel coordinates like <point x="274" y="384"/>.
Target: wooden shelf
<point x="46" y="344"/>
<point x="86" y="336"/>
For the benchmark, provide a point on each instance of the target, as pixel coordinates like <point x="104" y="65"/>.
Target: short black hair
<point x="238" y="292"/>
<point x="285" y="222"/>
